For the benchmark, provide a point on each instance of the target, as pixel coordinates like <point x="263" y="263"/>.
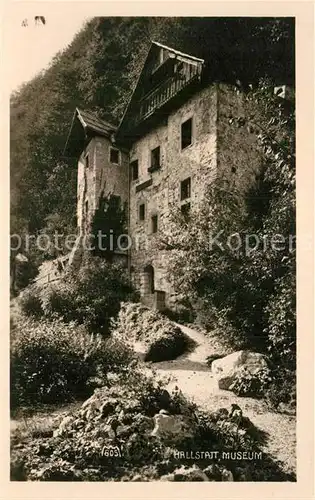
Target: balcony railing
<point x="168" y="89"/>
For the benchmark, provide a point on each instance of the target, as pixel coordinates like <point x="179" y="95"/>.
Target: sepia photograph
<point x="153" y="249"/>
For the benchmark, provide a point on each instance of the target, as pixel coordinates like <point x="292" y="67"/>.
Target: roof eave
<point x="178" y="52"/>
<point x="69" y="133"/>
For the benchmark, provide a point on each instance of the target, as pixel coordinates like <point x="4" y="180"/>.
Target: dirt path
<point x="192" y="375"/>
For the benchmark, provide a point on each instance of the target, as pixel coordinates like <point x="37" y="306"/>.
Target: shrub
<point x="182" y="313"/>
<point x="53" y="361"/>
<point x="251" y="384"/>
<point x="58" y="300"/>
<point x="30" y="302"/>
<point x="282" y="389"/>
<point x="163" y="340"/>
<point x="91" y="295"/>
<point x="168" y="345"/>
<point x="281" y="328"/>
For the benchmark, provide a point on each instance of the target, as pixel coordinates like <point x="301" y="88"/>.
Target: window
<point x="186" y="134"/>
<point x="134" y="167"/>
<point x="86" y="207"/>
<point x="148" y="280"/>
<point x="155" y="158"/>
<point x="185" y="189"/>
<point x="142" y="211"/>
<point x="114" y="156"/>
<point x="154" y="223"/>
<point x="87" y="161"/>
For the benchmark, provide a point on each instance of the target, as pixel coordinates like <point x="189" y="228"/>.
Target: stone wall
<point x="101" y="176"/>
<point x="86" y="187"/>
<point x="239" y="157"/>
<point x="110" y="178"/>
<point x="197" y="161"/>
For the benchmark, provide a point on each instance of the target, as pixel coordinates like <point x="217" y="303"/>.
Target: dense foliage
<point x="53" y="362"/>
<point x="91" y="295"/>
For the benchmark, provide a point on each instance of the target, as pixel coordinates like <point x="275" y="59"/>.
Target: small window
<point x="114" y="156"/>
<point x="186" y="135"/>
<point x="134" y="167"/>
<point x="185" y="189"/>
<point x="155" y="157"/>
<point x="87" y="161"/>
<point x="185" y="210"/>
<point x="154" y="223"/>
<point x="86" y="207"/>
<point x="142" y="211"/>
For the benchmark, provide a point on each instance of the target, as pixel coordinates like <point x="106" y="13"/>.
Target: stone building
<point x="177" y="134"/>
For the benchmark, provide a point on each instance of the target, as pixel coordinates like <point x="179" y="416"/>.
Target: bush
<point x="91" y="295"/>
<point x="168" y="345"/>
<point x="281" y="329"/>
<point x="53" y="361"/>
<point x="22" y="272"/>
<point x="30" y="302"/>
<point x="282" y="390"/>
<point x="163" y="339"/>
<point x="251" y="384"/>
<point x="58" y="300"/>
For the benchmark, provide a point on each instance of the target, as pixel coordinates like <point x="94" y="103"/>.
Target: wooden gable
<point x="166" y="74"/>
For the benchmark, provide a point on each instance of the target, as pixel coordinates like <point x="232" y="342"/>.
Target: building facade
<point x="181" y="129"/>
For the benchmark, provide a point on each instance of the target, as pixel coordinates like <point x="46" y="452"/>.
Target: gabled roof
<point x="176" y="53"/>
<point x="86" y="124"/>
<point x="95" y="124"/>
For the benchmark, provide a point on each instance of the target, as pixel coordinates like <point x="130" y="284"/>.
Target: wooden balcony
<point x="165" y="92"/>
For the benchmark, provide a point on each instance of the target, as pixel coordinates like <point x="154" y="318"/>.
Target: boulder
<point x="172" y="427"/>
<point x="225" y="369"/>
